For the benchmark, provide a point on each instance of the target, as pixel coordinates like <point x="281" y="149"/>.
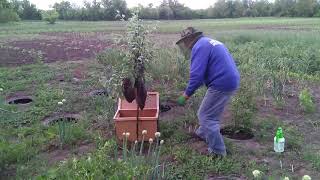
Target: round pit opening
<point x="237" y="133"/>
<point x="20" y="100"/>
<point x="165" y="108"/>
<point x="73" y="118"/>
<point x="66" y="119"/>
<point x="99" y="92"/>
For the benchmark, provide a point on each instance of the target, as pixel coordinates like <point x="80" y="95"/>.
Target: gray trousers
<point x="209" y="116"/>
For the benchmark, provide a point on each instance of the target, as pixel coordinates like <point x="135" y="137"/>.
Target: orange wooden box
<point x="126" y="118"/>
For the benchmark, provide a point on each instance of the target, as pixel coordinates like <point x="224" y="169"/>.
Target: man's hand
<point x="183" y="99"/>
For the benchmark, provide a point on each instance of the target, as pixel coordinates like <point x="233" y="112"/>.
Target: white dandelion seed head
<point x="286" y="178"/>
<point x="306" y="177"/>
<point x="123" y="134"/>
<point x="135" y="142"/>
<point x="60" y="103"/>
<point x="1" y="89"/>
<point x="150" y="140"/>
<point x="127" y="134"/>
<point x="63" y="100"/>
<point x="256" y="173"/>
<point x="161" y="142"/>
<point x="157" y="134"/>
<point x="144" y="132"/>
<point x="63" y="162"/>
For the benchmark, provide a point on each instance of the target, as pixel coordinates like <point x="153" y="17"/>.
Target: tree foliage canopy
<point x="168" y="9"/>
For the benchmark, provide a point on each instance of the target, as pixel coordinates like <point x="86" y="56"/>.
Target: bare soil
<point x="54" y="46"/>
<point x="14" y="57"/>
<point x="63" y="50"/>
<point x="55" y="154"/>
<point x="174" y="112"/>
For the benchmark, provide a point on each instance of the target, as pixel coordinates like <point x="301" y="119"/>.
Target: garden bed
<point x="63" y="50"/>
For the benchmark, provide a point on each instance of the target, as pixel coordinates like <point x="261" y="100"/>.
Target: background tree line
<point x="13" y="10"/>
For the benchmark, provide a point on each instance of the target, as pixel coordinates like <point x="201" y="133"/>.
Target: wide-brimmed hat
<point x="189" y="32"/>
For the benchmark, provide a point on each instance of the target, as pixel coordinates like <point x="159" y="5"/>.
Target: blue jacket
<point x="212" y="65"/>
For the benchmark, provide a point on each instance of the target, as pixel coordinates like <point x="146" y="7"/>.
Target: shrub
<point x="306" y="101"/>
<point x="7" y="15"/>
<point x="317" y="14"/>
<point x="50" y="16"/>
<point x="243" y="105"/>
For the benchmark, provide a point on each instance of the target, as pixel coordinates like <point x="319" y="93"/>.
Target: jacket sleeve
<point x="199" y="61"/>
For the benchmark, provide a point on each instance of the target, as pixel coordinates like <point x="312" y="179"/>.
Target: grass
<point x="314" y="158"/>
<point x="275" y="49"/>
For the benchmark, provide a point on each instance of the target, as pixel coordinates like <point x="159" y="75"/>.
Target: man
<point x="212" y="65"/>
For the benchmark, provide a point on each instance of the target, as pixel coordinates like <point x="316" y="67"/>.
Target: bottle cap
<point x="279" y="134"/>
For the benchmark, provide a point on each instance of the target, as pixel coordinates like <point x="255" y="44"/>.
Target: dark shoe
<point x="212" y="154"/>
<point x="229" y="153"/>
<point x="217" y="156"/>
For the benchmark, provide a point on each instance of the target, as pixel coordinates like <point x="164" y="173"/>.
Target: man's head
<point x="188" y="38"/>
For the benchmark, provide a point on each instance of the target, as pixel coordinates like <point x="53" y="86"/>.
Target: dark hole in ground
<point x="66" y="119"/>
<point x="72" y="118"/>
<point x="21" y="101"/>
<point x="165" y="108"/>
<point x="237" y="133"/>
<point x="100" y="92"/>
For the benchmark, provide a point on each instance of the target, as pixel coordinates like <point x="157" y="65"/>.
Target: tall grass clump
<point x="306" y="101"/>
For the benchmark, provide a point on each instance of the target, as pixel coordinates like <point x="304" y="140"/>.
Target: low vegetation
<point x="279" y="63"/>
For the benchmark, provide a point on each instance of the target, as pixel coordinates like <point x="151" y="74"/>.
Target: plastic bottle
<point x="279" y="141"/>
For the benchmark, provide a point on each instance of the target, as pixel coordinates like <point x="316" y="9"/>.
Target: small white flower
<point x="62" y="163"/>
<point x="60" y="103"/>
<point x="157" y="134"/>
<point x="144" y="132"/>
<point x="74" y="160"/>
<point x="256" y="173"/>
<point x="123" y="134"/>
<point x="306" y="177"/>
<point x="161" y="142"/>
<point x="150" y="140"/>
<point x="136" y="142"/>
<point x="63" y="100"/>
<point x="286" y="178"/>
<point x="127" y="134"/>
<point x="89" y="159"/>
